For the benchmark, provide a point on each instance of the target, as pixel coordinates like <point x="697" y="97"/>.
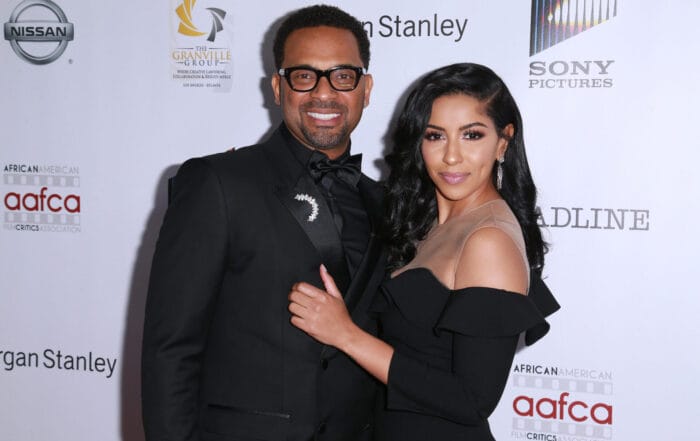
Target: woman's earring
<point x="499" y="174"/>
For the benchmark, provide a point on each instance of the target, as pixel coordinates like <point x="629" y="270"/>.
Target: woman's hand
<point x="321" y="314"/>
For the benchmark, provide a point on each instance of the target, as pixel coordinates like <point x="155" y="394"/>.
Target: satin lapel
<point x="371" y="195"/>
<point x="311" y="211"/>
<point x="308" y="206"/>
<point x="357" y="298"/>
<point x="370" y="263"/>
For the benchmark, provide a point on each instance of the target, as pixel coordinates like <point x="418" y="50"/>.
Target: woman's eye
<point x="472" y="135"/>
<point x="432" y="136"/>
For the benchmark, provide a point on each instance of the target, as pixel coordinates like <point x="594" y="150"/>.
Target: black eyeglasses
<point x="305" y="79"/>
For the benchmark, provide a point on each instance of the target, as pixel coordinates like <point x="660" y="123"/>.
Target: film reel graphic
<point x="562" y="402"/>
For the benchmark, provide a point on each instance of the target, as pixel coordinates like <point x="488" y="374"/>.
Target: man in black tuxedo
<point x="221" y="360"/>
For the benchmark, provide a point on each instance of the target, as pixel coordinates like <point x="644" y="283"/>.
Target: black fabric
<point x="337" y="181"/>
<point x="221" y="359"/>
<point x="307" y="203"/>
<point x="453" y="352"/>
<point x="355" y="229"/>
<point x="346" y="168"/>
<point x="546" y="303"/>
<point x="488" y="312"/>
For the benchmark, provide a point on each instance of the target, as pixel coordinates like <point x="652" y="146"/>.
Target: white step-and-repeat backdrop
<point x="102" y="100"/>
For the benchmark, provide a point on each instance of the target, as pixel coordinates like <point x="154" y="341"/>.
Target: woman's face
<point x="460" y="145"/>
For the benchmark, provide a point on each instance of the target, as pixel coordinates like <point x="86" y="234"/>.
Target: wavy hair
<point x="411" y="201"/>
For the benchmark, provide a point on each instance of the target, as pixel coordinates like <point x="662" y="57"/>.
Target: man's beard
<point x="326" y="138"/>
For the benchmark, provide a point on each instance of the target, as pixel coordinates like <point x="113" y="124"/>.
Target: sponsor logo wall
<point x="94" y="122"/>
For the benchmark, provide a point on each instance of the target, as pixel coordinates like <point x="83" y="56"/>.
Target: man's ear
<point x="275" y="83"/>
<point x="369" y="82"/>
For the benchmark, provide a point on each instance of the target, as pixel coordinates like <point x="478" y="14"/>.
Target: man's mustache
<point x="318" y="104"/>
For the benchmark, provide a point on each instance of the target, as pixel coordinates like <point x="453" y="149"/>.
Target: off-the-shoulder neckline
<point x="450" y="290"/>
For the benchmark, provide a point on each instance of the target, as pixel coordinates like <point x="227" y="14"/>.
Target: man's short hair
<point x="320" y="15"/>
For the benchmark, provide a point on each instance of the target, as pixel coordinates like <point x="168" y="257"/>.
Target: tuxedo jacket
<point x="221" y="360"/>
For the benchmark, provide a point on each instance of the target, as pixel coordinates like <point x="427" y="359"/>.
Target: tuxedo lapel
<point x="370" y="263"/>
<point x="357" y="298"/>
<point x="371" y="195"/>
<point x="311" y="211"/>
<point x="298" y="193"/>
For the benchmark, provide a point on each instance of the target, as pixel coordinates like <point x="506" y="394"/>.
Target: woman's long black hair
<point x="411" y="200"/>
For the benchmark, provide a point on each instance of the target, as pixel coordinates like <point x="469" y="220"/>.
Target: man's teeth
<point x="323" y="116"/>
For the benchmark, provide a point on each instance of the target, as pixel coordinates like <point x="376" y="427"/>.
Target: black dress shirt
<point x="344" y="199"/>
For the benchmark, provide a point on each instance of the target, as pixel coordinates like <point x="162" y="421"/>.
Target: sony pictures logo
<point x="554" y="22"/>
<point x="38" y="31"/>
<point x="41" y="198"/>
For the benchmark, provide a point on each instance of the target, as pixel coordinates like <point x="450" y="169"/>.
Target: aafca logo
<point x="563" y="408"/>
<point x="41" y="198"/>
<point x="560" y="404"/>
<point x="554" y="22"/>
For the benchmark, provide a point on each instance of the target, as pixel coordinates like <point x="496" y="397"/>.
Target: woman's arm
<point x="323" y="315"/>
<point x="468" y="392"/>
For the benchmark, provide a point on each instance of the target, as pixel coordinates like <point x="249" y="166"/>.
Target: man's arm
<point x="185" y="278"/>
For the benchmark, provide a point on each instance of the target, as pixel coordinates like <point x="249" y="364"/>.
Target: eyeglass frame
<point x="285" y="71"/>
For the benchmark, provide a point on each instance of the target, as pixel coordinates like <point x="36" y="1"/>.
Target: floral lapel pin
<point x="303" y="197"/>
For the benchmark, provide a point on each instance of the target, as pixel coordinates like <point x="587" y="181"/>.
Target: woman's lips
<point x="453" y="178"/>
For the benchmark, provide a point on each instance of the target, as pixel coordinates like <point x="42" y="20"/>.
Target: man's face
<point x="322" y="118"/>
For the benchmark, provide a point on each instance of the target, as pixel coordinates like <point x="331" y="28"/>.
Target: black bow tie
<point x="346" y="169"/>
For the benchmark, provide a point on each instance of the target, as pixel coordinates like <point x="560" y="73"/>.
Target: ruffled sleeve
<point x="484" y="324"/>
<point x="489" y="312"/>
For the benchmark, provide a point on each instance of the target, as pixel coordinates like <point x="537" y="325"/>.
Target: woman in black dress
<point x="463" y="241"/>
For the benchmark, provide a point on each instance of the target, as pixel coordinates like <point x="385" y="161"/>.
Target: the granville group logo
<point x="38" y="31"/>
<point x="553" y="22"/>
<point x="199" y="62"/>
<point x="555" y="403"/>
<point x="40" y="198"/>
<point x="187" y="27"/>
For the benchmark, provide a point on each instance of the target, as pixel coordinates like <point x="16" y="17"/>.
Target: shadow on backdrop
<point x="130" y="393"/>
<point x="268" y="64"/>
<point x="130" y="390"/>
